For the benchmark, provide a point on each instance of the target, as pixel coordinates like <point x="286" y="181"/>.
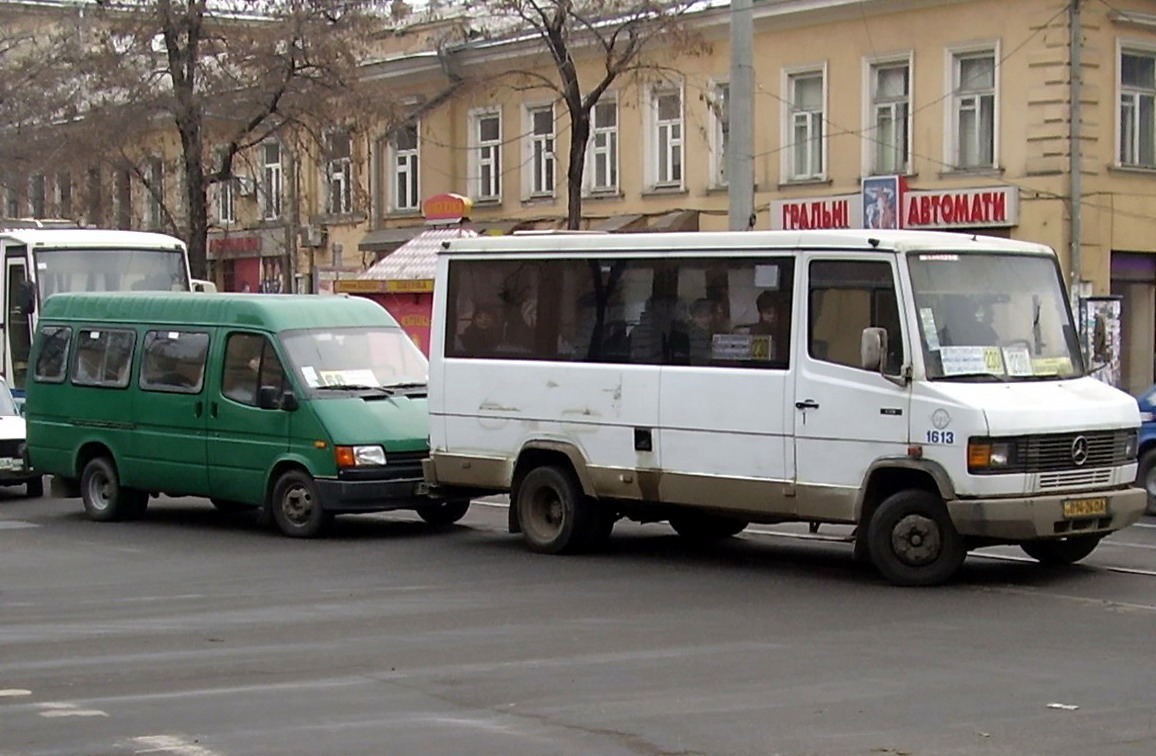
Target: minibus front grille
<point x="1061" y="451"/>
<point x="1075" y="478"/>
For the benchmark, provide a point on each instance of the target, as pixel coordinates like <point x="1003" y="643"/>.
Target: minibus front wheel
<point x="912" y="540"/>
<point x="105" y="500"/>
<point x="297" y="508"/>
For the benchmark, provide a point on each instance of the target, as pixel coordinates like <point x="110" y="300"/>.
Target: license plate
<point x="1097" y="507"/>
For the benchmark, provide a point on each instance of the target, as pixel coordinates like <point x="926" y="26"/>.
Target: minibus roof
<point x="89" y="238"/>
<point x="726" y="242"/>
<point x="269" y="312"/>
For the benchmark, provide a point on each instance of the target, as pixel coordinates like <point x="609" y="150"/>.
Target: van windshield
<point x="993" y="317"/>
<point x="367" y="357"/>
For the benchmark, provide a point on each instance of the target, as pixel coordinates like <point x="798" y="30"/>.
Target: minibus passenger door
<point x="847" y="415"/>
<point x="19" y="306"/>
<point x="245" y="441"/>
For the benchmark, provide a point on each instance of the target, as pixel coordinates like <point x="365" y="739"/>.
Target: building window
<point x="720" y="118"/>
<point x="486" y="138"/>
<point x="973" y="89"/>
<point x="36" y="195"/>
<point x="404" y="159"/>
<point x="339" y="172"/>
<point x="226" y="196"/>
<point x="602" y="154"/>
<point x="156" y="192"/>
<point x="64" y="194"/>
<point x="94" y="197"/>
<point x="890" y="126"/>
<point x="123" y="195"/>
<point x="271" y="181"/>
<point x="666" y="108"/>
<point x="1138" y="109"/>
<point x="12" y="202"/>
<point x="541" y="161"/>
<point x="805" y="153"/>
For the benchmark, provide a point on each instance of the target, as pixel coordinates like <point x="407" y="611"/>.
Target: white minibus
<point x="926" y="388"/>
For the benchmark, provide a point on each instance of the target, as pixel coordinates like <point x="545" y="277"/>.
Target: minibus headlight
<point x="989" y="455"/>
<point x="1130" y="446"/>
<point x="359" y="456"/>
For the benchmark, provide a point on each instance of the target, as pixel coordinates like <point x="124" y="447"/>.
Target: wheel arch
<point x="888" y="476"/>
<point x="538" y="454"/>
<point x="279" y="468"/>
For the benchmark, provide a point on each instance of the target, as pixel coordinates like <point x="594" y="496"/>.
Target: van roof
<point x="271" y="312"/>
<point x="90" y="238"/>
<point x="729" y="241"/>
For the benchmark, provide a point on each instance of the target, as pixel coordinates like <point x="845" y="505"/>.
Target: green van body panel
<point x="205" y="444"/>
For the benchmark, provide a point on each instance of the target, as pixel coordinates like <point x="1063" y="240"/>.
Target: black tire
<point x="556" y="516"/>
<point x="912" y="540"/>
<point x="1062" y="551"/>
<point x="105" y="500"/>
<point x="1146" y="478"/>
<point x="35" y="488"/>
<point x="444" y="512"/>
<point x="701" y="526"/>
<point x="297" y="507"/>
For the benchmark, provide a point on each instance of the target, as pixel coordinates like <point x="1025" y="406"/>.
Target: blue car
<point x="1146" y="474"/>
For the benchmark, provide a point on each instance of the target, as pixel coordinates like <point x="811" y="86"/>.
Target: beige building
<point x="944" y="114"/>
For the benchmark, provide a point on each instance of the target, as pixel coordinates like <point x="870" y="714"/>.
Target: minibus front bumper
<point x="1030" y="518"/>
<point x="371" y="495"/>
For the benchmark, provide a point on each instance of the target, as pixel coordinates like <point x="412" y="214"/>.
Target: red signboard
<point x="446" y="207"/>
<point x="240" y="246"/>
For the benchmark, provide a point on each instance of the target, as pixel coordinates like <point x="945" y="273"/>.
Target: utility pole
<point x="1075" y="173"/>
<point x="740" y="114"/>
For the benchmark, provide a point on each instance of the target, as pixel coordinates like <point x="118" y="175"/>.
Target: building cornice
<point x="1134" y="19"/>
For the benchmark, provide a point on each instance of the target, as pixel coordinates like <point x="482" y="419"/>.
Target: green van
<point x="305" y="406"/>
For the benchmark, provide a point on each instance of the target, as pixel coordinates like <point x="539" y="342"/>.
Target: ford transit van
<point x="301" y="406"/>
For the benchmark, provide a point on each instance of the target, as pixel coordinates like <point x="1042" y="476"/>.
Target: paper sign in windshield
<point x="361" y="377"/>
<point x="963" y="360"/>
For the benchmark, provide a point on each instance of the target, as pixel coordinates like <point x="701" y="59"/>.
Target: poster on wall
<point x="1100" y="337"/>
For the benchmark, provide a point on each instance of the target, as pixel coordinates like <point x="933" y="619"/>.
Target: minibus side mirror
<point x="26" y="298"/>
<point x="873" y="348"/>
<point x="268" y="397"/>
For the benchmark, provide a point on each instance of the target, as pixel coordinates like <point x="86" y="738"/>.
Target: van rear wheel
<point x="297" y="507"/>
<point x="1146" y="479"/>
<point x="1061" y="551"/>
<point x="444" y="512"/>
<point x="912" y="540"/>
<point x="555" y="514"/>
<point x="105" y="500"/>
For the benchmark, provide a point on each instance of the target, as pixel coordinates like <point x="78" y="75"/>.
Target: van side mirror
<point x="873" y="349"/>
<point x="270" y="397"/>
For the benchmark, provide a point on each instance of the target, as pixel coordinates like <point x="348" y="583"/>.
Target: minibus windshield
<point x="991" y="316"/>
<point x="110" y="270"/>
<point x="355" y="358"/>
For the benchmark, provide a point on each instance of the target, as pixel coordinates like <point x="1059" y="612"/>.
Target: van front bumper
<point x="372" y="495"/>
<point x="1033" y="517"/>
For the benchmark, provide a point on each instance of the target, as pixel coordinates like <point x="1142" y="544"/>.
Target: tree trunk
<point x="579" y="134"/>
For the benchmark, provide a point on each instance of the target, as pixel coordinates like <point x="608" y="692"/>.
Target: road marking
<point x="16" y="525"/>
<point x="170" y="744"/>
<point x="54" y="709"/>
<point x="14" y="692"/>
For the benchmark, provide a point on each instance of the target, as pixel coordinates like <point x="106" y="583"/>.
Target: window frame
<point x="338" y="172"/>
<point x="662" y="133"/>
<point x="405" y="165"/>
<point x="272" y="181"/>
<point x="44" y="337"/>
<point x="892" y="366"/>
<point x="607" y="153"/>
<point x="151" y="338"/>
<point x="540" y="156"/>
<point x="156" y="192"/>
<point x="812" y="120"/>
<point x="485" y="154"/>
<point x="1140" y="50"/>
<point x="953" y="102"/>
<point x="872" y="66"/>
<point x="74" y="360"/>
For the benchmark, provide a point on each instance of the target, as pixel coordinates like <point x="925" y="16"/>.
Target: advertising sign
<point x="882" y="198"/>
<point x="1100" y="334"/>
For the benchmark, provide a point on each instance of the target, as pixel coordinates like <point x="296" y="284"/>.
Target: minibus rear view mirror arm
<point x="873" y="354"/>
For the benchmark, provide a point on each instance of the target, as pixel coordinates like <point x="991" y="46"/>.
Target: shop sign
<point x="961" y="208"/>
<point x="235" y="246"/>
<point x="446" y="208"/>
<point x="841" y="211"/>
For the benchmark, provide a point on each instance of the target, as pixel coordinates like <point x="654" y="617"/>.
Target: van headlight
<point x="990" y="455"/>
<point x="359" y="456"/>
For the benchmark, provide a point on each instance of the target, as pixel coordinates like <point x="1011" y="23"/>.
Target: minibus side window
<point x="174" y="361"/>
<point x="53" y="354"/>
<point x="250" y="362"/>
<point x="847" y="296"/>
<point x="103" y="357"/>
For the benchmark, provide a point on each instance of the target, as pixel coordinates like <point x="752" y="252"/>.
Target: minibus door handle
<point x="807" y="404"/>
<point x="212" y="409"/>
<point x="198" y="409"/>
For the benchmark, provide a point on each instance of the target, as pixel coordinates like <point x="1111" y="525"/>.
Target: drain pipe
<point x="1075" y="173"/>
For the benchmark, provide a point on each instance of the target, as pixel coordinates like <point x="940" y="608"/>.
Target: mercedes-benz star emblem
<point x="1080" y="450"/>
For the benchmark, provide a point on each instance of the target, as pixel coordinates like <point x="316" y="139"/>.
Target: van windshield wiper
<point x="406" y="385"/>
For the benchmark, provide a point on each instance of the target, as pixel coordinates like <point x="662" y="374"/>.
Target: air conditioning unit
<point x="313" y="236"/>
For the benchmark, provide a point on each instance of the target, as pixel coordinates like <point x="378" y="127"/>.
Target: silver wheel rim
<point x="916" y="540"/>
<point x="297" y="505"/>
<point x="99" y="491"/>
<point x="546" y="513"/>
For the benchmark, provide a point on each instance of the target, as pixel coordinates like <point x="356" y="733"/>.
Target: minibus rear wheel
<point x="912" y="540"/>
<point x="444" y="512"/>
<point x="1060" y="551"/>
<point x="105" y="500"/>
<point x="556" y="516"/>
<point x="297" y="508"/>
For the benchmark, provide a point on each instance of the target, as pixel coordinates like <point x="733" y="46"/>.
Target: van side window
<point x="103" y="357"/>
<point x="53" y="354"/>
<point x="250" y="363"/>
<point x="847" y="296"/>
<point x="174" y="361"/>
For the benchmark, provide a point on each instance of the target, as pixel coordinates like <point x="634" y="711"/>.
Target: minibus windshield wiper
<point x="406" y="385"/>
<point x="972" y="376"/>
<point x="353" y="387"/>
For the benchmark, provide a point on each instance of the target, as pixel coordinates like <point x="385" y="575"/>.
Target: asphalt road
<point x="200" y="634"/>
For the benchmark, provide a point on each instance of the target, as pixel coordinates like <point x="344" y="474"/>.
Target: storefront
<point x="248" y="261"/>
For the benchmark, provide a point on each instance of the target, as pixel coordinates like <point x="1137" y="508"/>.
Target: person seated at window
<point x="483" y="334"/>
<point x="774" y="321"/>
<point x="700" y="333"/>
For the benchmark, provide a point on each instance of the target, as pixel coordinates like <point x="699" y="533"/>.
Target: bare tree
<point x="229" y="72"/>
<point x="621" y="36"/>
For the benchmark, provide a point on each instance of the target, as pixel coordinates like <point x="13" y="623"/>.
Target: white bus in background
<point x="41" y="261"/>
<point x="926" y="388"/>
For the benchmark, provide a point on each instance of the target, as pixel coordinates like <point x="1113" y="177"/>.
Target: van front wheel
<point x="105" y="500"/>
<point x="1061" y="550"/>
<point x="912" y="541"/>
<point x="297" y="507"/>
<point x="555" y="514"/>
